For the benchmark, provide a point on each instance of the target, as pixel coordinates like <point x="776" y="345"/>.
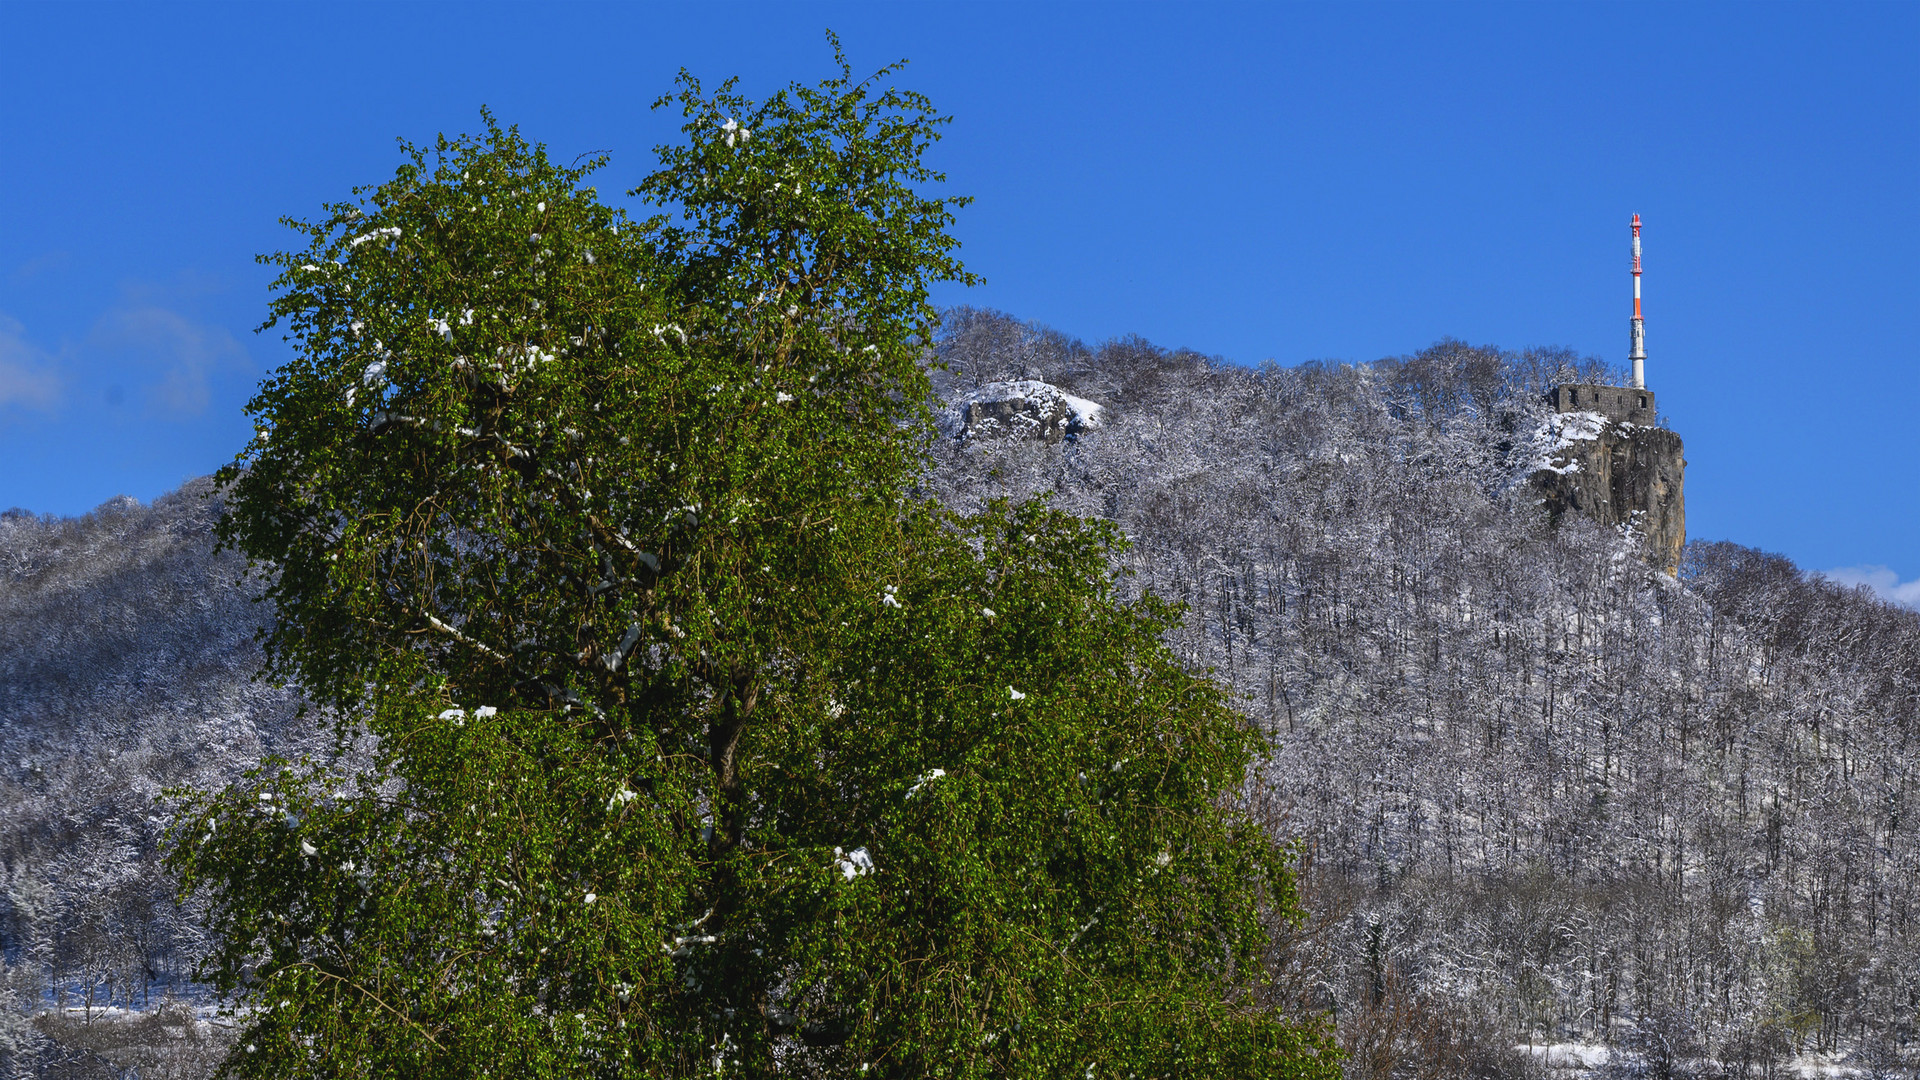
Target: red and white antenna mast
<point x="1637" y="348"/>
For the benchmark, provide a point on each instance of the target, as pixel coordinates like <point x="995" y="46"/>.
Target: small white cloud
<point x="1884" y="582"/>
<point x="49" y="262"/>
<point x="188" y="354"/>
<point x="27" y="377"/>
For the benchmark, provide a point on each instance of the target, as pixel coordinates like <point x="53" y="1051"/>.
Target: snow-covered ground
<point x="1578" y="1057"/>
<point x="1574" y="1060"/>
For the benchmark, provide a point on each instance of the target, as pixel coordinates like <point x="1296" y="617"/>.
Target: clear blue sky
<point x="1257" y="181"/>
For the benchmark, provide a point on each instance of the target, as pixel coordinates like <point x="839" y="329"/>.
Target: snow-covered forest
<point x="126" y="664"/>
<point x="1544" y="794"/>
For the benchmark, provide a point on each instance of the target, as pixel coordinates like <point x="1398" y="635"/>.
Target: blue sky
<point x="1253" y="181"/>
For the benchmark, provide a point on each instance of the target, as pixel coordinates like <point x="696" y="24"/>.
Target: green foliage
<point x="702" y="747"/>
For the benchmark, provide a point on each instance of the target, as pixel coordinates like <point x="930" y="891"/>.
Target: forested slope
<point x="1544" y="793"/>
<point x="126" y="664"/>
<point x="1536" y="780"/>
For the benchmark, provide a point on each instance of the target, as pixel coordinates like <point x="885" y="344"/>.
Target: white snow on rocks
<point x="1022" y="409"/>
<point x="1560" y="432"/>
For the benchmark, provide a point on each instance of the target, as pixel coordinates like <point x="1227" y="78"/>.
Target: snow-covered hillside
<point x="1546" y="794"/>
<point x="126" y="667"/>
<point x="1560" y="814"/>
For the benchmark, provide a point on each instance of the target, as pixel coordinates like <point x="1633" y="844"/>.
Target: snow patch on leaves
<point x="852" y="864"/>
<point x="923" y="780"/>
<point x="392" y="232"/>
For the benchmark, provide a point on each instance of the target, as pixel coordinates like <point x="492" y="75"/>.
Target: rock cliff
<point x="1621" y="474"/>
<point x="1023" y="409"/>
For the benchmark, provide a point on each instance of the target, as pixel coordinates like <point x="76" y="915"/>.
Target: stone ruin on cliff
<point x="1602" y="454"/>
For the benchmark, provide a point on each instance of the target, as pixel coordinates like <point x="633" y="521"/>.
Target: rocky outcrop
<point x="1024" y="409"/>
<point x="1622" y="475"/>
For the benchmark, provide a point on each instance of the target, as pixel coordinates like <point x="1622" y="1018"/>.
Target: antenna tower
<point x="1637" y="346"/>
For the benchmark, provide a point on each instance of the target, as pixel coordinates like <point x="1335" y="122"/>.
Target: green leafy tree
<point x="702" y="746"/>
